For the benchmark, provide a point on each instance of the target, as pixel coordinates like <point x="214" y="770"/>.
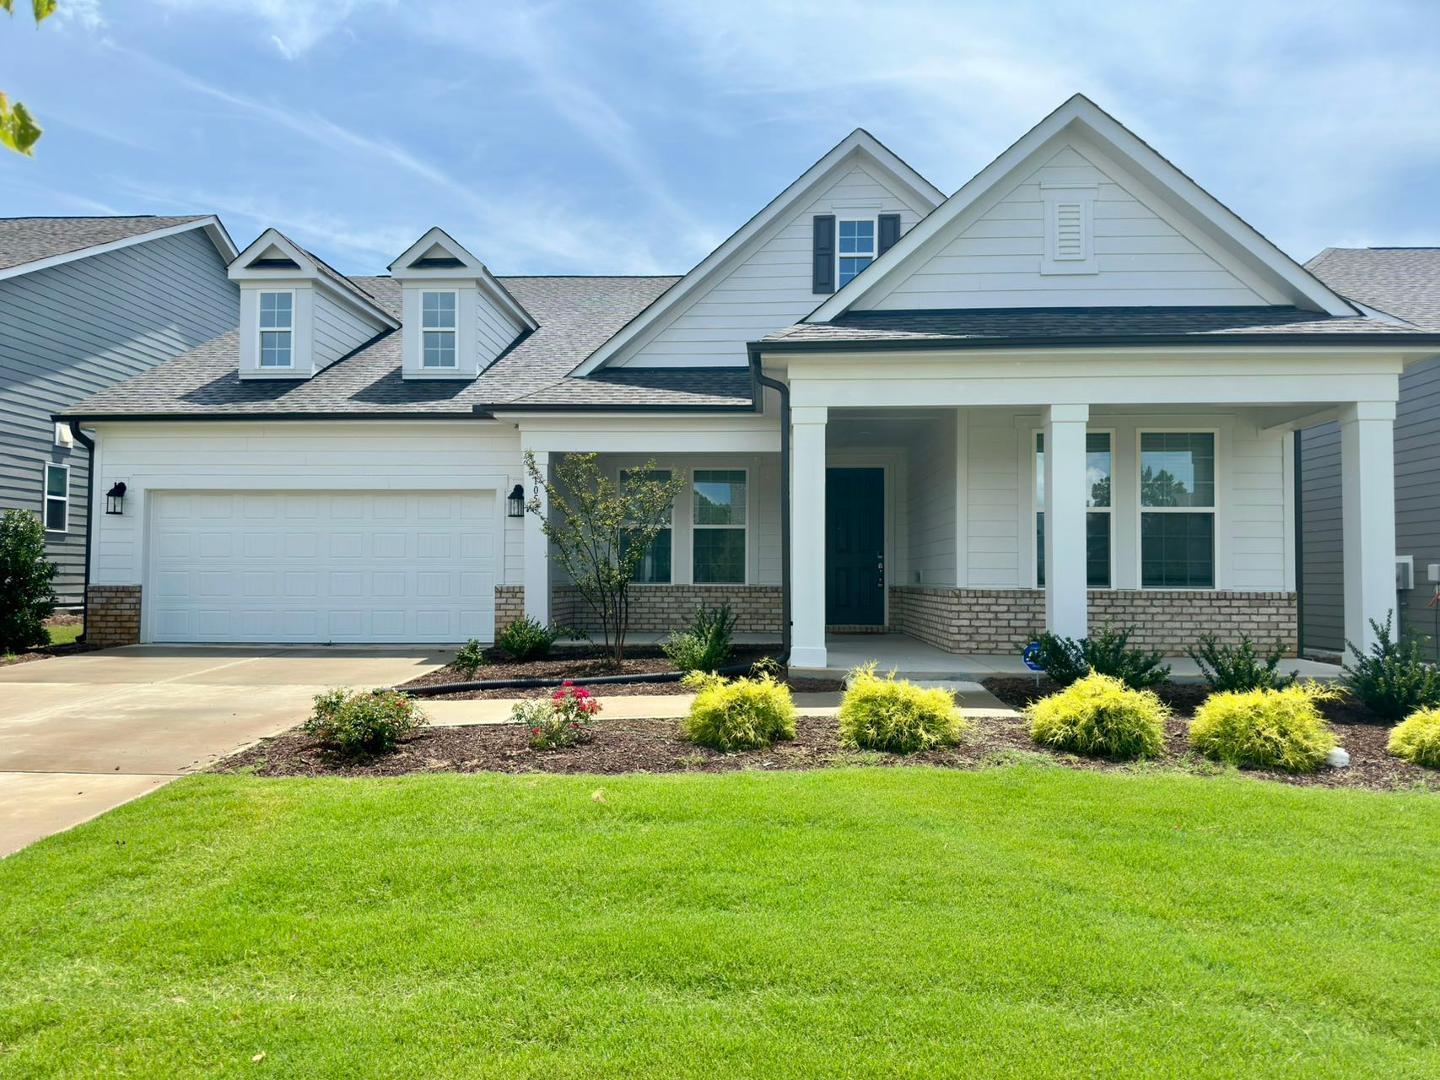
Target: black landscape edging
<point x="435" y="689"/>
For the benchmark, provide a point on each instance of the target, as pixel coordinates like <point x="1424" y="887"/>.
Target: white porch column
<point x="1367" y="494"/>
<point x="1065" y="599"/>
<point x="807" y="536"/>
<point x="537" y="551"/>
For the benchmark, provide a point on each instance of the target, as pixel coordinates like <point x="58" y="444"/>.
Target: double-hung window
<point x="439" y="327"/>
<point x="1098" y="461"/>
<point x="856" y="249"/>
<point x="277" y="329"/>
<point x="57" y="498"/>
<point x="655" y="565"/>
<point x="718" y="526"/>
<point x="1177" y="510"/>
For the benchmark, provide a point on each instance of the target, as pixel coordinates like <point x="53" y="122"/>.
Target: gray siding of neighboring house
<point x="1417" y="516"/>
<point x="73" y="329"/>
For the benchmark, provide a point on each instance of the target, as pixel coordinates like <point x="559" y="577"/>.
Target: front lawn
<point x="850" y="922"/>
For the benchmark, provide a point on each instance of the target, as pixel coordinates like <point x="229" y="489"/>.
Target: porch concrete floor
<point x="916" y="660"/>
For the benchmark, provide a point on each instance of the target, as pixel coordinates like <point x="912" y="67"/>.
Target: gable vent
<point x="1069" y="244"/>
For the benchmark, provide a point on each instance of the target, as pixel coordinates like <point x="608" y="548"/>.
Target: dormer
<point x="458" y="318"/>
<point x="297" y="314"/>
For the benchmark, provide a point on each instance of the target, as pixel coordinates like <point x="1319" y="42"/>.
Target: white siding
<point x="930" y="506"/>
<point x="260" y="456"/>
<point x="1252" y="551"/>
<point x="991" y="256"/>
<point x="494" y="330"/>
<point x="767" y="290"/>
<point x="338" y="330"/>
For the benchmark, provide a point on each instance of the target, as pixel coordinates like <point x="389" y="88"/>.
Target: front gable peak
<point x="1080" y="212"/>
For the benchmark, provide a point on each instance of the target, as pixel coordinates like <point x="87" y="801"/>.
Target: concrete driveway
<point x="81" y="734"/>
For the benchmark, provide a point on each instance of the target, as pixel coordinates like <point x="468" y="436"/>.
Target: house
<point x="1404" y="284"/>
<point x="1065" y="395"/>
<point x="87" y="302"/>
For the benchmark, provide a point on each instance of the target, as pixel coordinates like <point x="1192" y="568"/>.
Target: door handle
<point x="880" y="572"/>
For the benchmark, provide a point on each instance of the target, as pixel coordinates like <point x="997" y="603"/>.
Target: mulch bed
<point x="655" y="746"/>
<point x="50" y="650"/>
<point x="579" y="665"/>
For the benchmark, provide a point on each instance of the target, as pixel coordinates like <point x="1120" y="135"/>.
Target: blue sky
<point x="633" y="137"/>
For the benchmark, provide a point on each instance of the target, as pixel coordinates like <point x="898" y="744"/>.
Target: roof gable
<point x="1154" y="235"/>
<point x="37" y="243"/>
<point x="439" y="256"/>
<point x="273" y="256"/>
<point x="858" y="149"/>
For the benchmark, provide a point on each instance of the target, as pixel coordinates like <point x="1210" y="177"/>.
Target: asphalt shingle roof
<point x="575" y="314"/>
<point x="1103" y="324"/>
<point x="1404" y="282"/>
<point x="30" y="239"/>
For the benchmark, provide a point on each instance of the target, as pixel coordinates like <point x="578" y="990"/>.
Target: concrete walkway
<point x="84" y="733"/>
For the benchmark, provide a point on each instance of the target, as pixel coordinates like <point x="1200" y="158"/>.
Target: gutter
<point x="1073" y="341"/>
<point x="783" y="389"/>
<point x="89" y="445"/>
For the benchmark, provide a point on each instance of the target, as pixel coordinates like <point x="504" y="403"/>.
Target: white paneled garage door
<point x="321" y="566"/>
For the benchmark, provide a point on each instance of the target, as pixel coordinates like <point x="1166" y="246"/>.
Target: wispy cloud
<point x="294" y="27"/>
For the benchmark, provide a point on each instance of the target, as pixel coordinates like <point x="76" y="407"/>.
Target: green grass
<point x="855" y="922"/>
<point x="66" y="634"/>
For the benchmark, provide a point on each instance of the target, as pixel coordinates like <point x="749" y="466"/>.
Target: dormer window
<point x="857" y="248"/>
<point x="277" y="329"/>
<point x="438" y="316"/>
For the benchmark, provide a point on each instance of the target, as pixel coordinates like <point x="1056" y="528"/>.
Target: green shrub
<point x="1099" y="716"/>
<point x="1266" y="729"/>
<point x="1391" y="680"/>
<point x="562" y="719"/>
<point x="707" y="644"/>
<point x="1109" y="653"/>
<point x="27" y="594"/>
<point x="363" y="722"/>
<point x="1417" y="739"/>
<point x="469" y="659"/>
<point x="1239" y="667"/>
<point x="738" y="714"/>
<point x="525" y="639"/>
<point x="896" y="715"/>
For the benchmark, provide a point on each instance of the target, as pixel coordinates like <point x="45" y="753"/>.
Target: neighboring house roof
<point x="1082" y="114"/>
<point x="1051" y="327"/>
<point x="859" y="143"/>
<point x="1400" y="281"/>
<point x="28" y="244"/>
<point x="575" y="314"/>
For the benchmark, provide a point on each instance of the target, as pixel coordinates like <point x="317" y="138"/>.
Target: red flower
<point x="568" y="682"/>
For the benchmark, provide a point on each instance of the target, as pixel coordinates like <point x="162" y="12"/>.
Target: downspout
<point x="89" y="445"/>
<point x="763" y="380"/>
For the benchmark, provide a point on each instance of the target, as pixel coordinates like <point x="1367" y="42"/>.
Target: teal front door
<point x="855" y="547"/>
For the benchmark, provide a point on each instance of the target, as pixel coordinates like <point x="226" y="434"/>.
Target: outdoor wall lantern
<point x="516" y="501"/>
<point x="115" y="499"/>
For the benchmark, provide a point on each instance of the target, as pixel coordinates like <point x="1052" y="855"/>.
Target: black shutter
<point x="824" y="278"/>
<point x="889" y="232"/>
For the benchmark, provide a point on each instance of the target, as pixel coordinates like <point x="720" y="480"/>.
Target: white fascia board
<point x="399" y="266"/>
<point x="1083" y="112"/>
<point x="310" y="271"/>
<point x="213" y="229"/>
<point x="858" y="141"/>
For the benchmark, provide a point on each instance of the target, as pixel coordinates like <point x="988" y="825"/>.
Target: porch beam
<point x="1367" y="494"/>
<point x="807" y="546"/>
<point x="1065" y="581"/>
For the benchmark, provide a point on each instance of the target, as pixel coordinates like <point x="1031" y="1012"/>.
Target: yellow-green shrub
<point x="1266" y="729"/>
<point x="738" y="714"/>
<point x="895" y="715"/>
<point x="1100" y="716"/>
<point x="1417" y="739"/>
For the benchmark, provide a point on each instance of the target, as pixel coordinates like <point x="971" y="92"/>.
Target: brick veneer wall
<point x="1003" y="620"/>
<point x="112" y="615"/>
<point x="509" y="605"/>
<point x="659" y="608"/>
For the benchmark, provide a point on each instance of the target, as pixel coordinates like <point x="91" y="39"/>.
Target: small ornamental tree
<point x="27" y="595"/>
<point x="600" y="530"/>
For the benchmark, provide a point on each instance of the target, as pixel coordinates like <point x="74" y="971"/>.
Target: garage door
<point x="321" y="566"/>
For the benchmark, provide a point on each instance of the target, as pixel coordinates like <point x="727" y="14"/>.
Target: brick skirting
<point x="509" y="605"/>
<point x="112" y="615"/>
<point x="1003" y="620"/>
<point x="661" y="608"/>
